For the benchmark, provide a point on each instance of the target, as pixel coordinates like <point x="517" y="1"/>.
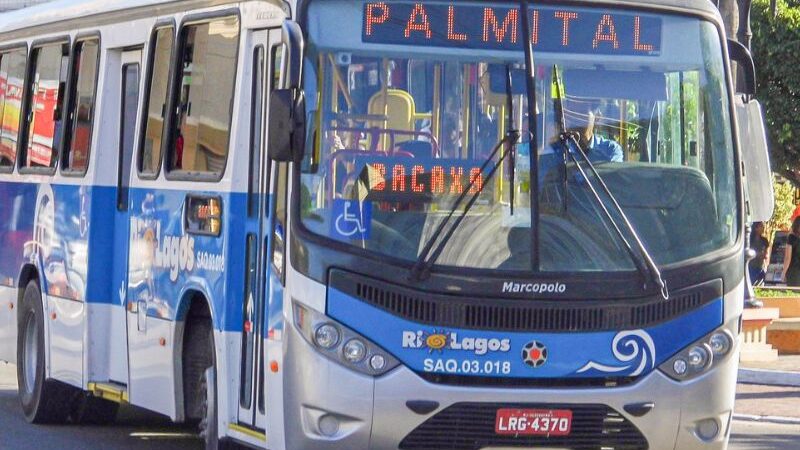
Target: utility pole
<point x="745" y="34"/>
<point x="730" y="15"/>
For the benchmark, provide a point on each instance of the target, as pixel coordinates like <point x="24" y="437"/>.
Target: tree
<point x="784" y="206"/>
<point x="776" y="44"/>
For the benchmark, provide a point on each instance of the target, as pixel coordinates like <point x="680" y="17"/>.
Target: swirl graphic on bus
<point x="636" y="351"/>
<point x="436" y="341"/>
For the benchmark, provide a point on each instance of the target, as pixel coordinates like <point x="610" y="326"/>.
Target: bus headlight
<point x="326" y="336"/>
<point x="354" y="351"/>
<point x="341" y="344"/>
<point x="699" y="357"/>
<point x="721" y="343"/>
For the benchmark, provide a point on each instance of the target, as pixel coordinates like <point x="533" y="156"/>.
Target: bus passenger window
<point x="45" y="105"/>
<point x="199" y="143"/>
<point x="12" y="71"/>
<point x="81" y="108"/>
<point x="277" y="66"/>
<point x="257" y="117"/>
<point x="160" y="52"/>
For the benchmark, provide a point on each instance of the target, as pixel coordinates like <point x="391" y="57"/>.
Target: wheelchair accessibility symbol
<point x="351" y="219"/>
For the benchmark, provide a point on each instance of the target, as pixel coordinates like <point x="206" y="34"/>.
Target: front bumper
<point x="367" y="413"/>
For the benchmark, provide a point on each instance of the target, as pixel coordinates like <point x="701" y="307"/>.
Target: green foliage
<point x="784" y="206"/>
<point x="762" y="292"/>
<point x="776" y="46"/>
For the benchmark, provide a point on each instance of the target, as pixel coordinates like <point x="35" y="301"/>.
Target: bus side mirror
<point x="292" y="37"/>
<point x="286" y="130"/>
<point x="742" y="57"/>
<point x="755" y="156"/>
<point x="286" y="117"/>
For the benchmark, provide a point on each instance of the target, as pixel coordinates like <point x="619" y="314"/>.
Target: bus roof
<point x="71" y="14"/>
<point x="22" y="22"/>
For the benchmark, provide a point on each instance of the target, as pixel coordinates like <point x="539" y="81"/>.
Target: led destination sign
<point x="588" y="31"/>
<point x="418" y="180"/>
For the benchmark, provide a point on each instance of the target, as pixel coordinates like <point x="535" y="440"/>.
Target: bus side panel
<point x="229" y="319"/>
<point x="47" y="225"/>
<point x="63" y="230"/>
<point x="165" y="261"/>
<point x="16" y="228"/>
<point x="105" y="320"/>
<point x="8" y="324"/>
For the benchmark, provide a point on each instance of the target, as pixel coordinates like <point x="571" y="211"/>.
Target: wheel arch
<point x="29" y="272"/>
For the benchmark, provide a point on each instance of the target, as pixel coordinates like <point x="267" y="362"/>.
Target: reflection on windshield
<point x="396" y="139"/>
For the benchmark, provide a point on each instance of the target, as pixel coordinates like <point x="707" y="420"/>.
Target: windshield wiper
<point x="643" y="261"/>
<point x="430" y="254"/>
<point x="512" y="149"/>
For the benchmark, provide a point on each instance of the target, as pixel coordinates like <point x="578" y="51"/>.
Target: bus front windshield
<point x="406" y="102"/>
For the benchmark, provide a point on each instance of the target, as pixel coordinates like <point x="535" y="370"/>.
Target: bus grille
<point x="471" y="426"/>
<point x="523" y="315"/>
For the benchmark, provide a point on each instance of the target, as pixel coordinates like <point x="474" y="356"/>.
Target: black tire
<point x="198" y="356"/>
<point x="207" y="393"/>
<point x="95" y="411"/>
<point x="43" y="401"/>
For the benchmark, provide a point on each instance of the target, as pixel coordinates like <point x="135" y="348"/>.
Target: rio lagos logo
<point x="443" y="340"/>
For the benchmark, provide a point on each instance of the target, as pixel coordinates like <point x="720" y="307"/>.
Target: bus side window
<point x="276" y="66"/>
<point x="149" y="162"/>
<point x="78" y="139"/>
<point x="130" y="98"/>
<point x="6" y="157"/>
<point x="206" y="77"/>
<point x="44" y="106"/>
<point x="12" y="70"/>
<point x="279" y="231"/>
<point x="256" y="118"/>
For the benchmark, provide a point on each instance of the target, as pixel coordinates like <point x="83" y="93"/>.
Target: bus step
<point x="248" y="431"/>
<point x="109" y="390"/>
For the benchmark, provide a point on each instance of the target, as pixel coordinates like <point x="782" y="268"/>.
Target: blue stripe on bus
<point x="81" y="246"/>
<point x="428" y="348"/>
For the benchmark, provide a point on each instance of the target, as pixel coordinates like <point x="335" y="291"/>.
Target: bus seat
<point x="671" y="215"/>
<point x="399" y="109"/>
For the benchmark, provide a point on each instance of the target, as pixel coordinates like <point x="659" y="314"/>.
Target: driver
<point x="597" y="148"/>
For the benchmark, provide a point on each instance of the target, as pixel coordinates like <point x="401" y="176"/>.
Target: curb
<point x="767" y="419"/>
<point x="769" y="377"/>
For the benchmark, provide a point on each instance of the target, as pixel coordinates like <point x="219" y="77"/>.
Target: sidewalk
<point x="785" y="363"/>
<point x="783" y="372"/>
<point x="769" y="391"/>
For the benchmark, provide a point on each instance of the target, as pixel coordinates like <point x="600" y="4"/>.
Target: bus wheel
<point x="209" y="429"/>
<point x="209" y="424"/>
<point x="43" y="401"/>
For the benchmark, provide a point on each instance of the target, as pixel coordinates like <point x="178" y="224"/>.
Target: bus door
<point x="252" y="411"/>
<point x="129" y="73"/>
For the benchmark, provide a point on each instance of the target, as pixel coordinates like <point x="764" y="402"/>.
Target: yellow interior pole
<point x="385" y="94"/>
<point x="437" y="102"/>
<point x="465" y="119"/>
<point x="337" y="78"/>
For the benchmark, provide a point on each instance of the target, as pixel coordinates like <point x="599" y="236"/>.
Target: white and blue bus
<point x="357" y="224"/>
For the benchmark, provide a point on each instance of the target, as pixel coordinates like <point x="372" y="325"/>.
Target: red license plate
<point x="536" y="422"/>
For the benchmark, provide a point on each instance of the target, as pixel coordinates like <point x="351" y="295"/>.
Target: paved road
<point x="137" y="430"/>
<point x="764" y="436"/>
